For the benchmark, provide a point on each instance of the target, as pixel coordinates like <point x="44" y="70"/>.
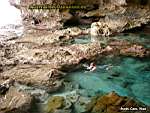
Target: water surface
<point x="125" y="75"/>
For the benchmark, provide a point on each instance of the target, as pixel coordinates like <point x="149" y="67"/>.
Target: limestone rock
<point x="62" y="111"/>
<point x="15" y="102"/>
<point x="135" y="50"/>
<point x="119" y="2"/>
<point x="98" y="28"/>
<point x="57" y="37"/>
<point x="127" y="49"/>
<point x="55" y="18"/>
<point x="127" y="19"/>
<point x="42" y="77"/>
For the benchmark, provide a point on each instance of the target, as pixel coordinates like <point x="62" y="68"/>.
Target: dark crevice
<point x="143" y="28"/>
<point x="143" y="2"/>
<point x="138" y="2"/>
<point x="74" y="21"/>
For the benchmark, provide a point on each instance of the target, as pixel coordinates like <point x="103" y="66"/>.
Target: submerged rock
<point x="111" y="103"/>
<point x="66" y="101"/>
<point x="80" y="105"/>
<point x="55" y="103"/>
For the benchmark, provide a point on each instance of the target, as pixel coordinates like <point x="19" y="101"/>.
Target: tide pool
<point x="127" y="77"/>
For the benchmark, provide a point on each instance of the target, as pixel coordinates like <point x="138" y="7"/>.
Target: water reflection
<point x="127" y="76"/>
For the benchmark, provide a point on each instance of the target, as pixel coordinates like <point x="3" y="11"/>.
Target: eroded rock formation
<point x="45" y="53"/>
<point x="120" y="11"/>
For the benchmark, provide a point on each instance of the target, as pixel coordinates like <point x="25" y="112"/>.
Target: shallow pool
<point x="83" y="39"/>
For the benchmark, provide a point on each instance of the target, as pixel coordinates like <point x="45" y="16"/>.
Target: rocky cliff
<point x="132" y="13"/>
<point x="39" y="60"/>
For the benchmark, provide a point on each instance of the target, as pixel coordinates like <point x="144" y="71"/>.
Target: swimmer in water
<point x="91" y="67"/>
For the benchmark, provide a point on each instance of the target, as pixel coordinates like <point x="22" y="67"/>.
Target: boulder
<point x="98" y="28"/>
<point x="15" y="102"/>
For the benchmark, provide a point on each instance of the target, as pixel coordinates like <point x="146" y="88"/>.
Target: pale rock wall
<point x="55" y="18"/>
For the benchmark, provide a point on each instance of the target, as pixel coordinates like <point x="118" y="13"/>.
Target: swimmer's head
<point x="93" y="64"/>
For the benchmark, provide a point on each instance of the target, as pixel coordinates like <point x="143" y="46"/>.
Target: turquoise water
<point x="141" y="38"/>
<point x="125" y="75"/>
<point x="82" y="39"/>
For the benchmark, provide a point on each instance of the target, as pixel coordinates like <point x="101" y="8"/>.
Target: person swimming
<point x="91" y="67"/>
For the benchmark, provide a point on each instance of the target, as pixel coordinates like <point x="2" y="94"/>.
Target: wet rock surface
<point x="55" y="103"/>
<point x="112" y="103"/>
<point x="67" y="102"/>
